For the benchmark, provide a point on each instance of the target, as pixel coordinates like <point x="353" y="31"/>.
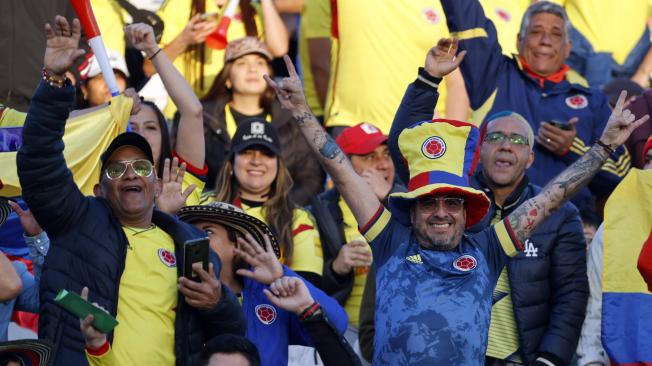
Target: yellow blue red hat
<point x="440" y="155"/>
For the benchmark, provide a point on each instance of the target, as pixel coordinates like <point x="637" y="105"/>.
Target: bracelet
<point x="155" y="53"/>
<point x="54" y="81"/>
<point x="609" y="149"/>
<point x="309" y="311"/>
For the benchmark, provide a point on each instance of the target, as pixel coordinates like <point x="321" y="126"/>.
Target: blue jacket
<point x="273" y="329"/>
<point x="88" y="245"/>
<point x="497" y="83"/>
<point x="548" y="279"/>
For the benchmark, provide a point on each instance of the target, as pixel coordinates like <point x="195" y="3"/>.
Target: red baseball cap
<point x="648" y="146"/>
<point x="361" y="139"/>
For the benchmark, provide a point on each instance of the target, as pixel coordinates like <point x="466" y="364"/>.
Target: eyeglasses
<point x="142" y="167"/>
<point x="450" y="204"/>
<point x="498" y="138"/>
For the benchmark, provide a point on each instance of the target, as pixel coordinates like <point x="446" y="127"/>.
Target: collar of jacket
<point x="511" y="202"/>
<point x="569" y="80"/>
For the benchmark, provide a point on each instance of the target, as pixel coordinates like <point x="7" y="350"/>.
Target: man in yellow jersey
<point x="116" y="244"/>
<point x="379" y="47"/>
<point x="347" y="256"/>
<point x="539" y="302"/>
<point x="606" y="46"/>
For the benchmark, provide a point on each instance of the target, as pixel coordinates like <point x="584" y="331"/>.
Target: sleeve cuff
<point x="98" y="352"/>
<point x="201" y="173"/>
<point x="427" y="81"/>
<point x="40" y="242"/>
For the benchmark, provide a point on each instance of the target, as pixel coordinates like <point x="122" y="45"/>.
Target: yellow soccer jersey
<point x="380" y="48"/>
<point x="315" y="23"/>
<point x="613" y="26"/>
<point x="175" y="15"/>
<point x="147" y="300"/>
<point x="352" y="305"/>
<point x="506" y="16"/>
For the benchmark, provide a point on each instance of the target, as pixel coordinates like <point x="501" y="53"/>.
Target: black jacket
<point x="88" y="244"/>
<point x="307" y="174"/>
<point x="330" y="223"/>
<point x="548" y="281"/>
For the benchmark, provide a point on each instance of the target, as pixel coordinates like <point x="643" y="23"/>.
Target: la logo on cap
<point x="369" y="129"/>
<point x="257" y="128"/>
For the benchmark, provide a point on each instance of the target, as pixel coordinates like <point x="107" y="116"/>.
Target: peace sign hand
<point x="289" y="90"/>
<point x="621" y="124"/>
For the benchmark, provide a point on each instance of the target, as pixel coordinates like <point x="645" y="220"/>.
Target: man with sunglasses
<point x="539" y="302"/>
<point x="434" y="284"/>
<point x="117" y="244"/>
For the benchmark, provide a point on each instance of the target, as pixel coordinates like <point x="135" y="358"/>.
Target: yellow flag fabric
<point x="628" y="219"/>
<point x="85" y="138"/>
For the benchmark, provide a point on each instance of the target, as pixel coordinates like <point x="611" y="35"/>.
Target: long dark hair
<point x="198" y="51"/>
<point x="166" y="145"/>
<point x="219" y="90"/>
<point x="277" y="209"/>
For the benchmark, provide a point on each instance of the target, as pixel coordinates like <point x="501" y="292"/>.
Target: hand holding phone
<point x="561" y="124"/>
<point x="195" y="251"/>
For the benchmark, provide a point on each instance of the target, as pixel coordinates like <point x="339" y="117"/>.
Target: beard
<point x="442" y="245"/>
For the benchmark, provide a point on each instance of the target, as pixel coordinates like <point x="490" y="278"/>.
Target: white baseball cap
<point x="91" y="68"/>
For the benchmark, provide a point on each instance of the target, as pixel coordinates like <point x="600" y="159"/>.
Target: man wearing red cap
<point x="434" y="284"/>
<point x="347" y="256"/>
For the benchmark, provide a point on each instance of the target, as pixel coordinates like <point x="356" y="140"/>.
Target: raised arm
<point x="357" y="194"/>
<point x="190" y="138"/>
<point x="421" y="96"/>
<point x="532" y="212"/>
<point x="276" y="35"/>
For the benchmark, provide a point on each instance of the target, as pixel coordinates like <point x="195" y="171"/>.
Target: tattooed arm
<point x="357" y="194"/>
<point x="532" y="212"/>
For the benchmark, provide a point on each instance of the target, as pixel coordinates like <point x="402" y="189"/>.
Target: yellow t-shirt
<point x="379" y="51"/>
<point x="175" y="15"/>
<point x="111" y="19"/>
<point x="506" y="16"/>
<point x="352" y="305"/>
<point x="606" y="31"/>
<point x="315" y="23"/>
<point x="307" y="254"/>
<point x="147" y="300"/>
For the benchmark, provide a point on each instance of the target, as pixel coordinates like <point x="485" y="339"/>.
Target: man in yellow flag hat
<point x="434" y="284"/>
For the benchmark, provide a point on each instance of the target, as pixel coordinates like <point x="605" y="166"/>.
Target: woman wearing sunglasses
<point x="150" y="123"/>
<point x="255" y="178"/>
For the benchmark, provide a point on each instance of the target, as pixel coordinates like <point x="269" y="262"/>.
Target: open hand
<point x="141" y="36"/>
<point x="289" y="293"/>
<point x="377" y="182"/>
<point x="621" y="123"/>
<point x="442" y="59"/>
<point x="353" y="254"/>
<point x="27" y="220"/>
<point x="172" y="198"/>
<point x="289" y="90"/>
<point x="555" y="139"/>
<point x="62" y="45"/>
<point x="93" y="337"/>
<point x="203" y="295"/>
<point x="265" y="266"/>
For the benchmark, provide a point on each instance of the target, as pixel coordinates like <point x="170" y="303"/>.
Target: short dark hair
<point x="231" y="344"/>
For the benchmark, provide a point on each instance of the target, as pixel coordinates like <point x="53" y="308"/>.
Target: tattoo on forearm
<point x="531" y="213"/>
<point x="330" y="150"/>
<point x="303" y="117"/>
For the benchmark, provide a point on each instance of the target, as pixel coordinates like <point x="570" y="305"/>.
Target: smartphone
<point x="195" y="251"/>
<point x="81" y="308"/>
<point x="561" y="124"/>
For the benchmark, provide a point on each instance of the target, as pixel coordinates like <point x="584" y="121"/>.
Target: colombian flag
<point x="626" y="301"/>
<point x="86" y="137"/>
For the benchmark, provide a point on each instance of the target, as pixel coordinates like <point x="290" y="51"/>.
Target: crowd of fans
<point x="411" y="182"/>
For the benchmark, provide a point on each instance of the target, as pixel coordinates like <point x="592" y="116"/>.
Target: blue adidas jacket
<point x="548" y="279"/>
<point x="496" y="83"/>
<point x="273" y="329"/>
